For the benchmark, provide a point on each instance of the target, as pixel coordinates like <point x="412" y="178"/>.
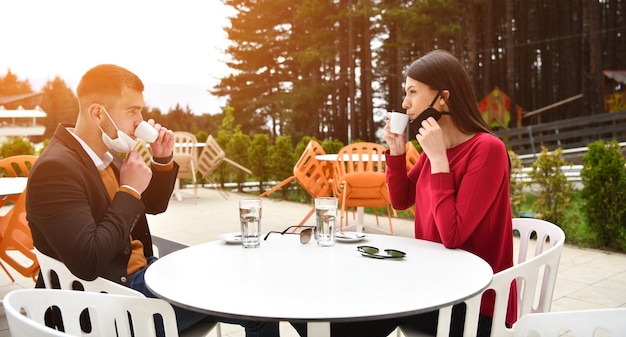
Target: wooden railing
<point x="570" y="133"/>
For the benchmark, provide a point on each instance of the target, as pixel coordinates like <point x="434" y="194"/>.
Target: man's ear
<point x="95" y="113"/>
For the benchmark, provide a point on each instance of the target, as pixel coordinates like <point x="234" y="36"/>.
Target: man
<point x="86" y="205"/>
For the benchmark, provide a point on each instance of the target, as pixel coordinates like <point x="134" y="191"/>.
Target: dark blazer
<point x="73" y="219"/>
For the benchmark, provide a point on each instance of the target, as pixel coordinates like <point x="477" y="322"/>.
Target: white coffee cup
<point x="398" y="122"/>
<point x="146" y="132"/>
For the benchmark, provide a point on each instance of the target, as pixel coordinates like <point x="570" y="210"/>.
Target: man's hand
<point x="134" y="172"/>
<point x="163" y="146"/>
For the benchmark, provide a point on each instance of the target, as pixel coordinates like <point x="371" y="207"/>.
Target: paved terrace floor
<point x="587" y="278"/>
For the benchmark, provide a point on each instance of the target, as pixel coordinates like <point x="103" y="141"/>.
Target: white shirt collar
<point x="101" y="163"/>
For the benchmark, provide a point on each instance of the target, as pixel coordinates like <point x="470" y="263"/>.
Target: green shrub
<point x="604" y="192"/>
<point x="554" y="190"/>
<point x="516" y="186"/>
<point x="17" y="146"/>
<point x="237" y="150"/>
<point x="281" y="161"/>
<point x="258" y="159"/>
<point x="332" y="145"/>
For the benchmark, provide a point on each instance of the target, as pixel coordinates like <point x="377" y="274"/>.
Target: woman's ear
<point x="445" y="96"/>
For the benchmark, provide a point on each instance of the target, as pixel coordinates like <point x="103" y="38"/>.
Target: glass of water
<point x="325" y="217"/>
<point x="250" y="217"/>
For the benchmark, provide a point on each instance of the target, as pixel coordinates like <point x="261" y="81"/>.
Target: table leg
<point x="318" y="329"/>
<point x="360" y="223"/>
<point x="177" y="192"/>
<point x="360" y="211"/>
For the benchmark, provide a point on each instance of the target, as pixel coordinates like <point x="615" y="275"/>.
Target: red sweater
<point x="468" y="208"/>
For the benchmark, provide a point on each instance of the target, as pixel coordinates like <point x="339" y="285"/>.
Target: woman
<point x="460" y="184"/>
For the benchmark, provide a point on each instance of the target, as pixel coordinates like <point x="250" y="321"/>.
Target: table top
<point x="288" y="281"/>
<point x="355" y="157"/>
<point x="12" y="185"/>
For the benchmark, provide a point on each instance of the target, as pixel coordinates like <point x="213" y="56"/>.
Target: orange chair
<point x="17" y="237"/>
<point x="411" y="155"/>
<point x="14" y="229"/>
<point x="15" y="166"/>
<point x="310" y="173"/>
<point x="186" y="156"/>
<point x="411" y="158"/>
<point x="359" y="179"/>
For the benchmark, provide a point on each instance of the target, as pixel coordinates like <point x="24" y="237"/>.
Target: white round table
<point x="287" y="281"/>
<point x="12" y="185"/>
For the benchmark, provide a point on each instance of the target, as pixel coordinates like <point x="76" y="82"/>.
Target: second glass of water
<point x="325" y="217"/>
<point x="250" y="217"/>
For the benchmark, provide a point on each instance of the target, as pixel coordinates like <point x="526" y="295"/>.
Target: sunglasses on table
<point x="305" y="234"/>
<point x="370" y="251"/>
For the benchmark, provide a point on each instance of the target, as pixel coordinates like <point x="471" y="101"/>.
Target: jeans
<point x="186" y="318"/>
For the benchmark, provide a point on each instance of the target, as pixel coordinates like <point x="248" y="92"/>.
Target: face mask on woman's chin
<point x="416" y="124"/>
<point x="122" y="144"/>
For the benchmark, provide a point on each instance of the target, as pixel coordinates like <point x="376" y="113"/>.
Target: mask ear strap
<point x="115" y="125"/>
<point x="435" y="100"/>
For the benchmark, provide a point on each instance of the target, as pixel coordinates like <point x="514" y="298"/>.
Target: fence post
<point x="532" y="141"/>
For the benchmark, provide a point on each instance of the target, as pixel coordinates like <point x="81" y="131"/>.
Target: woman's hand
<point x="396" y="142"/>
<point x="430" y="138"/>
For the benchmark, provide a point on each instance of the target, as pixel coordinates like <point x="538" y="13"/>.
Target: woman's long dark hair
<point x="440" y="70"/>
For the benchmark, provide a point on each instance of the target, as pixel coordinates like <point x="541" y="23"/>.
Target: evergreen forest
<point x="331" y="69"/>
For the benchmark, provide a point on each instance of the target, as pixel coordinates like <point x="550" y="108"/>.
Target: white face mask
<point x="123" y="143"/>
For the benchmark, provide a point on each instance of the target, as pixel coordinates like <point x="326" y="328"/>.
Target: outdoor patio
<point x="587" y="278"/>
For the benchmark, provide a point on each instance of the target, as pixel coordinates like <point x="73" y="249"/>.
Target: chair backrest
<point x="15" y="166"/>
<point x="17" y="239"/>
<point x="21" y="325"/>
<point x="361" y="157"/>
<point x="313" y="174"/>
<point x="534" y="278"/>
<point x="412" y="155"/>
<point x="110" y="315"/>
<point x="144" y="150"/>
<point x="162" y="246"/>
<point x="534" y="275"/>
<point x="185" y="153"/>
<point x="211" y="157"/>
<point x="597" y="322"/>
<point x="185" y="143"/>
<point x="357" y="157"/>
<point x="57" y="276"/>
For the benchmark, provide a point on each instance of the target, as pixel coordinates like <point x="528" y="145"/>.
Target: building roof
<point x="20" y="112"/>
<point x="13" y="98"/>
<point x="616" y="75"/>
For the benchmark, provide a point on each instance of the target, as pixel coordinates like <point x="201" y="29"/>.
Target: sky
<point x="175" y="47"/>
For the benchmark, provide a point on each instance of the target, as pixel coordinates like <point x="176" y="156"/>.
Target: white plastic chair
<point x="535" y="275"/>
<point x="582" y="323"/>
<point x="211" y="157"/>
<point x="186" y="155"/>
<point x="55" y="273"/>
<point x="109" y="314"/>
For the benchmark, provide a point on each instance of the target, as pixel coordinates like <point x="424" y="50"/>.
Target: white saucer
<point x="349" y="236"/>
<point x="231" y="237"/>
